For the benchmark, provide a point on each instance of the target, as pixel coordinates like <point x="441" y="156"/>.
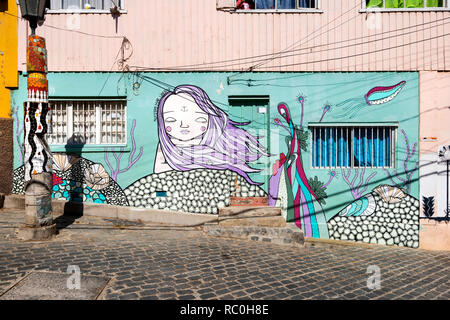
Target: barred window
<point x="87" y="122"/>
<point x="406" y="4"/>
<point x="276" y="4"/>
<point x="353" y="147"/>
<point x="84" y="4"/>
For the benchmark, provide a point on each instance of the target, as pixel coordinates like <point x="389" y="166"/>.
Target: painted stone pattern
<point x="80" y="180"/>
<point x="375" y="218"/>
<point x="194" y="152"/>
<point x="194" y="191"/>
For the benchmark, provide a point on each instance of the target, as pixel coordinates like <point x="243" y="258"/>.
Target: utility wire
<point x="360" y="54"/>
<point x="279" y="52"/>
<point x="323" y="60"/>
<point x="361" y="43"/>
<point x="115" y="61"/>
<point x="205" y="65"/>
<point x="296" y="44"/>
<point x="69" y="30"/>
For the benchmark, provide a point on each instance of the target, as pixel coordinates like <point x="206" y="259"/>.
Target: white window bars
<point x="74" y="5"/>
<point x="88" y="122"/>
<point x="405" y="5"/>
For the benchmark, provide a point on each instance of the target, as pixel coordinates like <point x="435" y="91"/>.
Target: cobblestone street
<point x="156" y="262"/>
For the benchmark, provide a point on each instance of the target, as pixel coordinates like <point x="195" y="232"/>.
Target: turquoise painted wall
<point x="318" y="89"/>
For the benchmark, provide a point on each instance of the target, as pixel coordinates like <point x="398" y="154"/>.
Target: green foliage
<point x="302" y="135"/>
<point x="316" y="187"/>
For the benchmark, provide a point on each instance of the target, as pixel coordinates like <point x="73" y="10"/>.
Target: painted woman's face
<point x="183" y="118"/>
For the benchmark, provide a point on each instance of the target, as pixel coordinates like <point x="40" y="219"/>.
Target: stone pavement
<point x="157" y="262"/>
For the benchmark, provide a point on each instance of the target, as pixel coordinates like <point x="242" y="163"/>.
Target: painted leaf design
<point x="428" y="206"/>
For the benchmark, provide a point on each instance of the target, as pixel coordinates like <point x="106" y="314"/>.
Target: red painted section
<point x="249" y="201"/>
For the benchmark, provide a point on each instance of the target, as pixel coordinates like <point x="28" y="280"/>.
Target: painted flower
<point x="390" y="194"/>
<point x="96" y="177"/>
<point x="63" y="162"/>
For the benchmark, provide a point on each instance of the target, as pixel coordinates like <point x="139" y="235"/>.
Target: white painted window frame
<point x="87" y="11"/>
<point x="351" y="127"/>
<point x="446" y="7"/>
<point x="298" y="10"/>
<point x="98" y="121"/>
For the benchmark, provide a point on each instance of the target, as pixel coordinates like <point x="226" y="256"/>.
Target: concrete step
<point x="288" y="235"/>
<point x="14" y="201"/>
<point x="248" y="211"/>
<point x="146" y="215"/>
<point x="251" y="216"/>
<point x="249" y="201"/>
<point x="277" y="221"/>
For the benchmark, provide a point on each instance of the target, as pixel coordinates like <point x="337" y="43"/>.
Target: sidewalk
<point x="149" y="261"/>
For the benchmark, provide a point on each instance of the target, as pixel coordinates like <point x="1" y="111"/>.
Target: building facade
<point x="319" y="107"/>
<point x="8" y="81"/>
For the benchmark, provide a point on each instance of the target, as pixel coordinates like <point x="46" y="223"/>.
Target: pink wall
<point x="434" y="110"/>
<point x="434" y="123"/>
<point x="177" y="33"/>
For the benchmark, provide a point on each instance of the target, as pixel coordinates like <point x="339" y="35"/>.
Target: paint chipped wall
<point x="369" y="205"/>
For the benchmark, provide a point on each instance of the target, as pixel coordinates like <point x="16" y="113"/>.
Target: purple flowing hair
<point x="223" y="145"/>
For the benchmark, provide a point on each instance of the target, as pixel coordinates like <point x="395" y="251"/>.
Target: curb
<point x="314" y="241"/>
<point x="166" y="217"/>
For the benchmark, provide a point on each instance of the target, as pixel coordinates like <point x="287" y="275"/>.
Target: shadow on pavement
<point x="72" y="212"/>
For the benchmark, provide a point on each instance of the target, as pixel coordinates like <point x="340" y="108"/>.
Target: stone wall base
<point x="6" y="155"/>
<point x="27" y="233"/>
<point x="289" y="235"/>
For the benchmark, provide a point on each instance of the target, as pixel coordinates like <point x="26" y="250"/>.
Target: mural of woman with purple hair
<point x="194" y="133"/>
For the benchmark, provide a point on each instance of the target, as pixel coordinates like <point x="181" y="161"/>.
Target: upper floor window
<point x="276" y="4"/>
<point x="407" y="4"/>
<point x="74" y="5"/>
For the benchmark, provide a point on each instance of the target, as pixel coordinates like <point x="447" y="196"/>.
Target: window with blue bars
<point x="276" y="4"/>
<point x="353" y="147"/>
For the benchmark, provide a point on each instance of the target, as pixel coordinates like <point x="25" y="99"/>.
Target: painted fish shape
<point x="379" y="95"/>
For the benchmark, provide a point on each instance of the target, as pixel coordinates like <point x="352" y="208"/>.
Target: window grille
<point x="88" y="122"/>
<point x="353" y="147"/>
<point x="406" y="4"/>
<point x="84" y="4"/>
<point x="276" y="4"/>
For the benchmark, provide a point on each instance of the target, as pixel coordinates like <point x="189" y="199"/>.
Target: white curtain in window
<point x="96" y="4"/>
<point x="71" y="4"/>
<point x="55" y="4"/>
